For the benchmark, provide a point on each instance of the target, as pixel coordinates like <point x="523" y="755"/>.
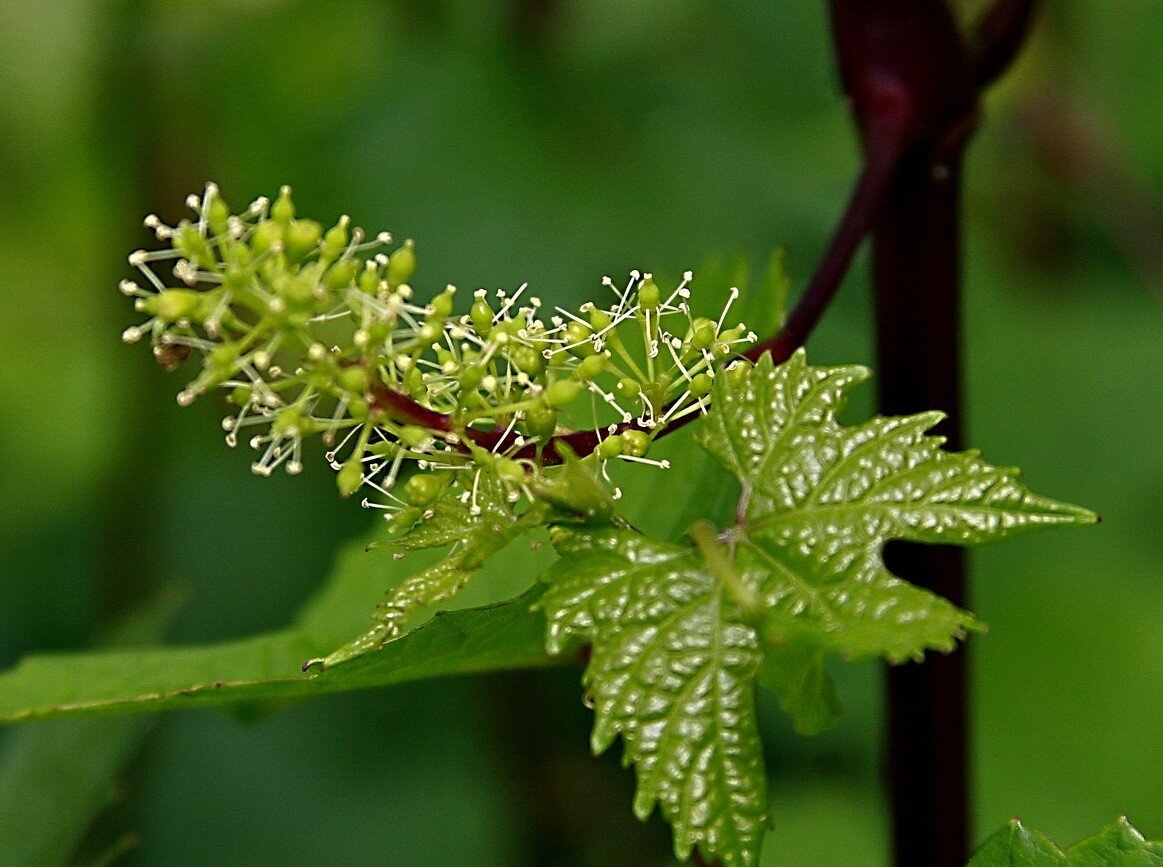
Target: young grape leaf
<point x="672" y="672"/>
<point x="679" y="635"/>
<point x="820" y="500"/>
<point x="1116" y="845"/>
<point x="477" y="525"/>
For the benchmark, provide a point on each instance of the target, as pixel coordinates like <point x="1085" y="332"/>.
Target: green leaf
<point x="1116" y="845"/>
<point x="55" y="779"/>
<point x="1016" y="846"/>
<point x="795" y="673"/>
<point x="268" y="667"/>
<point x="672" y="672"/>
<point x="478" y="525"/>
<point x="820" y="500"/>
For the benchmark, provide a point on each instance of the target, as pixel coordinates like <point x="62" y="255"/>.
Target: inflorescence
<point x="315" y="331"/>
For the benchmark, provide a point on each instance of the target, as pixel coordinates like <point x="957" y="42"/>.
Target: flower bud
<point x="636" y="443"/>
<point x="592" y="367"/>
<point x="562" y="393"/>
<point x="577" y="339"/>
<point x="541" y="422"/>
<point x="171" y="305"/>
<point x="701" y="384"/>
<point x="481" y="315"/>
<point x="350" y="476"/>
<point x="265" y="235"/>
<point x="648" y="295"/>
<point x="402" y="264"/>
<point x="442" y="303"/>
<point x="217" y="214"/>
<point x="611" y="447"/>
<point x="511" y="471"/>
<point x="599" y="319"/>
<point x="340" y="274"/>
<point x="628" y="388"/>
<point x="283" y="210"/>
<point x="471" y="376"/>
<point x="422" y="489"/>
<point x="300" y="238"/>
<point x="354" y="378"/>
<point x="335" y="241"/>
<point x="414" y="437"/>
<point x="702" y="333"/>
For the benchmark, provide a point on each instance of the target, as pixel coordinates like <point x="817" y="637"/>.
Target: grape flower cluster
<point x="318" y="331"/>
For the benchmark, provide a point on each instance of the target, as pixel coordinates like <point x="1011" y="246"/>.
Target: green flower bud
<point x="413" y="436"/>
<point x="340" y="274"/>
<point x="636" y="443"/>
<point x="471" y="376"/>
<point x="265" y="234"/>
<point x="369" y="280"/>
<point x="599" y="319"/>
<point x="648" y="295"/>
<point x="384" y="449"/>
<point x="354" y="378"/>
<point x="526" y="359"/>
<point x="701" y="384"/>
<point x="283" y="210"/>
<point x="217" y="214"/>
<point x="350" y="476"/>
<point x="402" y="264"/>
<point x="422" y="489"/>
<point x="511" y="471"/>
<point x="193" y="246"/>
<point x="592" y="367"/>
<point x="335" y="241"/>
<point x="173" y="304"/>
<point x="481" y="315"/>
<point x="442" y="303"/>
<point x="628" y="388"/>
<point x="300" y="238"/>
<point x="737" y="373"/>
<point x="611" y="447"/>
<point x="241" y="395"/>
<point x="562" y="393"/>
<point x="222" y="356"/>
<point x="286" y="419"/>
<point x="540" y="422"/>
<point x="702" y="333"/>
<point x="577" y="339"/>
<point x="358" y="408"/>
<point x="428" y="333"/>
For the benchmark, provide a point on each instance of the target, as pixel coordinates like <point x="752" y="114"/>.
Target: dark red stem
<point x="916" y="44"/>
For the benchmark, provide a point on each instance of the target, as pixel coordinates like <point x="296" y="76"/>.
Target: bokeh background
<point x="554" y="141"/>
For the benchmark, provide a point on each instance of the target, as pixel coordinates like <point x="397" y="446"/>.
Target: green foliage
<point x="671" y="672"/>
<point x="266" y="668"/>
<point x="820" y="500"/>
<point x="1116" y="845"/>
<point x="476" y="529"/>
<point x="680" y="632"/>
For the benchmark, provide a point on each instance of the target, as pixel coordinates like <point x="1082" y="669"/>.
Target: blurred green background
<point x="554" y="141"/>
